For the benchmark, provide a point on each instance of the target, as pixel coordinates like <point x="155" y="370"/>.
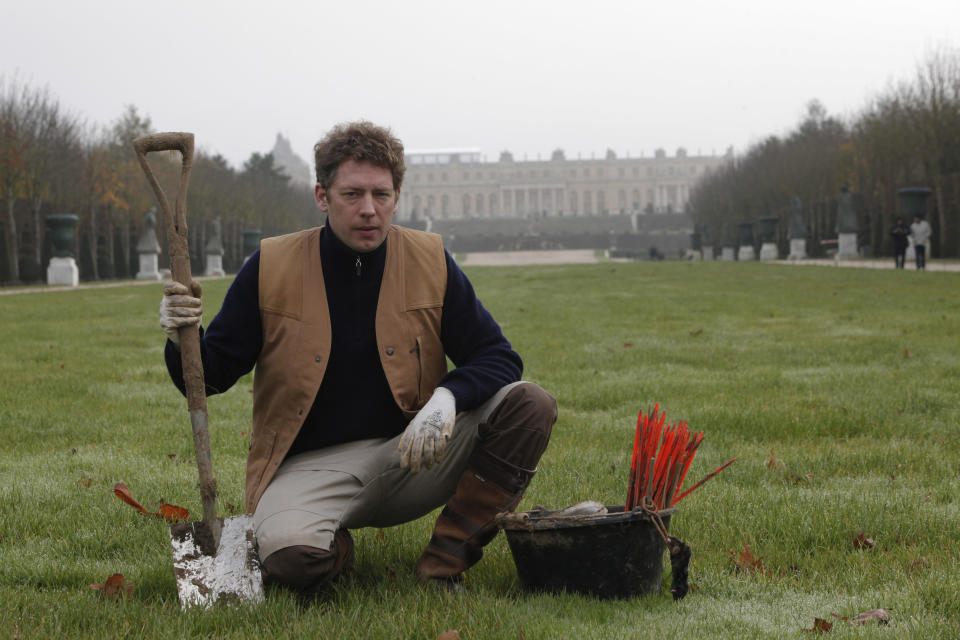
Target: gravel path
<point x="508" y="258"/>
<point x="936" y="265"/>
<point x="520" y="258"/>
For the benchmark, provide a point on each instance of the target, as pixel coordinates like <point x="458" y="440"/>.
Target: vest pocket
<point x="418" y="351"/>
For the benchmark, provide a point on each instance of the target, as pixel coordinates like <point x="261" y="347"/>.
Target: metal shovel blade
<point x="231" y="574"/>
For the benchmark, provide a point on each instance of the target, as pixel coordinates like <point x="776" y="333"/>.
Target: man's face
<point x="360" y="204"/>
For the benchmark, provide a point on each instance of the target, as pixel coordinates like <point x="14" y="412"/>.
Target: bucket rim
<point x="540" y="519"/>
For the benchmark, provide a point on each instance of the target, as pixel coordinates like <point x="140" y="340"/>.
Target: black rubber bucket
<point x="611" y="555"/>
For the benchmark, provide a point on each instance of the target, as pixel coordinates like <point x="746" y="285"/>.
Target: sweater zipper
<point x="358" y="265"/>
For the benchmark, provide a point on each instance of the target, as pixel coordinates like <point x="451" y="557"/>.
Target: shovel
<point x="215" y="558"/>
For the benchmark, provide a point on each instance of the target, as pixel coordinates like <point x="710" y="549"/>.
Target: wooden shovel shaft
<point x="176" y="225"/>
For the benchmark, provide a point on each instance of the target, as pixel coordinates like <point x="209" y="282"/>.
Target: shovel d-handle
<point x="176" y="225"/>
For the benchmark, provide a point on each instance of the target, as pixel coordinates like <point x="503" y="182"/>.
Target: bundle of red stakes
<point x="662" y="453"/>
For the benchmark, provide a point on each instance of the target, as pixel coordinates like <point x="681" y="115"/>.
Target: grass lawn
<point x="836" y="389"/>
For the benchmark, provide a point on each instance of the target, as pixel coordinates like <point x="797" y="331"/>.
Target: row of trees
<point x="908" y="136"/>
<point x="52" y="161"/>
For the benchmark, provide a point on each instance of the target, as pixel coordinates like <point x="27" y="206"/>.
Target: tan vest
<point x="297" y="337"/>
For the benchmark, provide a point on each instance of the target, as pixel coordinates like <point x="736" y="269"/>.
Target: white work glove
<point x="425" y="438"/>
<point x="179" y="307"/>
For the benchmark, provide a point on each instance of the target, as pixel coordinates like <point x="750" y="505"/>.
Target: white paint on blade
<point x="233" y="574"/>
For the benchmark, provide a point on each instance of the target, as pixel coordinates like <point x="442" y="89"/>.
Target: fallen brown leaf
<point x="173" y="513"/>
<point x="920" y="563"/>
<point x="627" y="345"/>
<point x="169" y="512"/>
<point x="696" y="333"/>
<point x="746" y="562"/>
<point x="85" y="482"/>
<point x="861" y="541"/>
<point x="121" y="491"/>
<point x="820" y="626"/>
<point x="115" y="587"/>
<point x="772" y="463"/>
<point x="449" y="635"/>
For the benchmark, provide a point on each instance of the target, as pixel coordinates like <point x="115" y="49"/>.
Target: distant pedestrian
<point x="899" y="231"/>
<point x="920" y="230"/>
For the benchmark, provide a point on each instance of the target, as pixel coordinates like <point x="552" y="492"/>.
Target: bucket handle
<point x="647" y="507"/>
<point x="679" y="552"/>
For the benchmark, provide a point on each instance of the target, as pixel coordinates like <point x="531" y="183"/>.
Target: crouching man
<point x="356" y="420"/>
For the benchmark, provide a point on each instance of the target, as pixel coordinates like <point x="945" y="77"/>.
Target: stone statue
<point x="149" y="248"/>
<point x="148" y="242"/>
<point x="214" y="244"/>
<point x="846" y="215"/>
<point x="214" y="250"/>
<point x="798" y="228"/>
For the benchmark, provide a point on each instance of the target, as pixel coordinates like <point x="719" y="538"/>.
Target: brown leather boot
<point x="512" y="440"/>
<point x="307" y="570"/>
<point x="466" y="523"/>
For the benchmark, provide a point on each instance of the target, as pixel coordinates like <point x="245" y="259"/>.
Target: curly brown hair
<point x="361" y="141"/>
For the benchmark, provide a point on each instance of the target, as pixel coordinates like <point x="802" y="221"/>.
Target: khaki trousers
<point x="360" y="484"/>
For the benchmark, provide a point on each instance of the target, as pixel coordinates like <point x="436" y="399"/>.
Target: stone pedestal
<point x="707" y="252"/>
<point x="62" y="231"/>
<point x="63" y="271"/>
<point x="695" y="246"/>
<point x="847" y="246"/>
<point x="214" y="265"/>
<point x="727" y="254"/>
<point x="798" y="249"/>
<point x="746" y="253"/>
<point x="214" y="250"/>
<point x="148" y="247"/>
<point x="768" y="251"/>
<point x="148" y="267"/>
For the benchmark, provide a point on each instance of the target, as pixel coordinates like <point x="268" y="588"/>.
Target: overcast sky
<point x="528" y="76"/>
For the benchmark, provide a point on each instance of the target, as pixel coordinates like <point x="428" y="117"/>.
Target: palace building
<point x="453" y="184"/>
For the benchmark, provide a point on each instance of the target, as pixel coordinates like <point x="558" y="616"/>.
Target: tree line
<point x="52" y="161"/>
<point x="907" y="136"/>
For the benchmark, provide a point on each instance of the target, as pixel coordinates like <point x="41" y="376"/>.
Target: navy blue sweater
<point x="354" y="401"/>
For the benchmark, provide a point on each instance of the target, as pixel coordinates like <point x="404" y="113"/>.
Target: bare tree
<point x="15" y="105"/>
<point x="935" y="115"/>
<point x="907" y="136"/>
<point x="132" y="198"/>
<point x="53" y="136"/>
